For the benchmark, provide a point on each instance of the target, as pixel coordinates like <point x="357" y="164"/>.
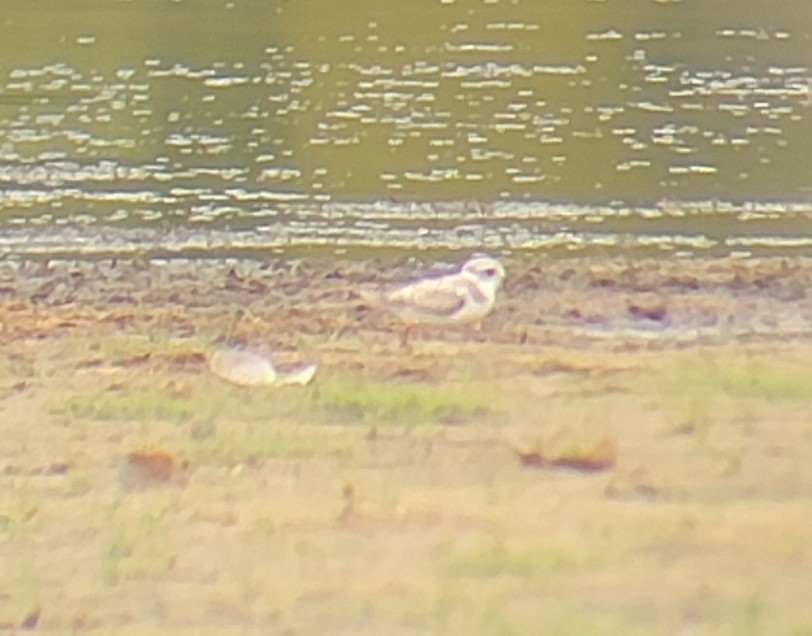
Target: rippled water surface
<point x="672" y="125"/>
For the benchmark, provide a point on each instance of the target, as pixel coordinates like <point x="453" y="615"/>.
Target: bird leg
<point x="404" y="339"/>
<point x="472" y="332"/>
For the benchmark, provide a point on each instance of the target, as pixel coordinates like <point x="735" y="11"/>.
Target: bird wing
<point x="431" y="297"/>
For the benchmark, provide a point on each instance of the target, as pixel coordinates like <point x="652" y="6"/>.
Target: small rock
<point x="247" y="368"/>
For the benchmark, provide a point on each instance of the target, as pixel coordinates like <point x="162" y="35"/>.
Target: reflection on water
<point x="570" y="124"/>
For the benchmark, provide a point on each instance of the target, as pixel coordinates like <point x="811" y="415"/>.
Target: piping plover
<point x="465" y="297"/>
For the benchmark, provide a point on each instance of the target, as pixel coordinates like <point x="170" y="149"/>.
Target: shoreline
<point x="543" y="300"/>
<point x="443" y="228"/>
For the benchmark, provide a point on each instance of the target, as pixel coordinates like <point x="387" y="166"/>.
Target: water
<point x="563" y="125"/>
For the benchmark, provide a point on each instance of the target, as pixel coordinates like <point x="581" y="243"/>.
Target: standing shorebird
<point x="464" y="297"/>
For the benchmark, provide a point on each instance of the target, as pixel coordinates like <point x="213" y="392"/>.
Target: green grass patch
<point x="137" y="545"/>
<point x="700" y="391"/>
<point x="402" y="402"/>
<point x="749" y="378"/>
<point x="331" y="399"/>
<point x="760" y="379"/>
<point x="138" y="405"/>
<point x="498" y="561"/>
<point x="235" y="442"/>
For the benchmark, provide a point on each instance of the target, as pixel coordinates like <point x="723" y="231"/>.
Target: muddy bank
<point x="571" y="302"/>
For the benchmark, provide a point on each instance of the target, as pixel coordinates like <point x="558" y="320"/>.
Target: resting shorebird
<point x="465" y="297"/>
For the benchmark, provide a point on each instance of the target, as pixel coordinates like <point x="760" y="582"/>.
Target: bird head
<point x="486" y="270"/>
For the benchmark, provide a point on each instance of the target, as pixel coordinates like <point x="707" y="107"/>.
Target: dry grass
<point x="391" y="495"/>
<point x="369" y="503"/>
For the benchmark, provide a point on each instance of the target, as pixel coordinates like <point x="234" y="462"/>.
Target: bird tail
<point x="370" y="297"/>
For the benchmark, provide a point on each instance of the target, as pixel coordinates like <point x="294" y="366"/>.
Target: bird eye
<point x="490" y="272"/>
